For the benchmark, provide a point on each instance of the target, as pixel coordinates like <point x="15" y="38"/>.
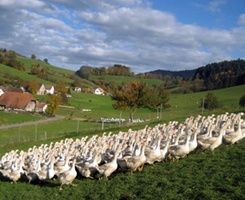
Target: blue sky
<point x="143" y="34"/>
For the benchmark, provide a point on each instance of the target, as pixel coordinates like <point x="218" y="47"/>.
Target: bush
<point x="242" y="101"/>
<point x="211" y="102"/>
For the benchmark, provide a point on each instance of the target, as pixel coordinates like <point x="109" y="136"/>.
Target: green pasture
<point x="57" y="71"/>
<point x="218" y="175"/>
<point x="51" y="130"/>
<point x="14" y="118"/>
<point x="28" y="62"/>
<point x="101" y="106"/>
<point x="120" y="79"/>
<point x="23" y="75"/>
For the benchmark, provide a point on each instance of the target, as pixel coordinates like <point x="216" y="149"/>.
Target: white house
<point x="41" y="107"/>
<point x="78" y="89"/>
<point x="41" y="90"/>
<point x="99" y="91"/>
<point x="49" y="89"/>
<point x="1" y="91"/>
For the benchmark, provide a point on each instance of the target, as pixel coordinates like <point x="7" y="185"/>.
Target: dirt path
<point x="58" y="117"/>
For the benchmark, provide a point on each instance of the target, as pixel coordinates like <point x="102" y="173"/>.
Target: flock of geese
<point x="85" y="157"/>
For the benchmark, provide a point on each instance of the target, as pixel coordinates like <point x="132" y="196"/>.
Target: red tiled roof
<point x="40" y="105"/>
<point x="16" y="100"/>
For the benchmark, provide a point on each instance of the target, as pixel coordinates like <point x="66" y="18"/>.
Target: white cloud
<point x="241" y="20"/>
<point x="96" y="33"/>
<point x="13" y="4"/>
<point x="214" y="6"/>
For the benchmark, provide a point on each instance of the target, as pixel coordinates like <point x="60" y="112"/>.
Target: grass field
<point x="218" y="175"/>
<point x="23" y="75"/>
<point x="101" y="106"/>
<point x="120" y="79"/>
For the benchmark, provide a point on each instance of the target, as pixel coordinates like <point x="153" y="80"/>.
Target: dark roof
<point x="16" y="100"/>
<point x="48" y="87"/>
<point x="10" y="89"/>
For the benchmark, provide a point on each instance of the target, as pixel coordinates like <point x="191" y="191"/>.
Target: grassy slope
<point x="198" y="176"/>
<point x="120" y="79"/>
<point x="58" y="71"/>
<point x="22" y="75"/>
<point x="101" y="106"/>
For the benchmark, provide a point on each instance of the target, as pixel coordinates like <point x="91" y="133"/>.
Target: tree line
<point x="9" y="59"/>
<point x="222" y="75"/>
<point x="117" y="69"/>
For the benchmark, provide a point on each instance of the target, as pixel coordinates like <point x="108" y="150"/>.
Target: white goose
<point x="181" y="150"/>
<point x="68" y="176"/>
<point x="213" y="142"/>
<point x="234" y="136"/>
<point x="152" y="155"/>
<point x="136" y="162"/>
<point x="108" y="168"/>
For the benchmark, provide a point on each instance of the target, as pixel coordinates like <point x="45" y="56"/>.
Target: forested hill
<point x="222" y="75"/>
<point x="185" y="73"/>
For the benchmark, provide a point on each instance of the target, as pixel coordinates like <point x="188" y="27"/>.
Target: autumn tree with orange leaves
<point x="131" y="97"/>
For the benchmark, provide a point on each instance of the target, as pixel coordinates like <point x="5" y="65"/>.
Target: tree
<point x="157" y="98"/>
<point x="61" y="87"/>
<point x="131" y="97"/>
<point x="45" y="60"/>
<point x="34" y="86"/>
<point x="242" y="101"/>
<point x="77" y="82"/>
<point x="210" y="102"/>
<point x="53" y="102"/>
<point x="33" y="56"/>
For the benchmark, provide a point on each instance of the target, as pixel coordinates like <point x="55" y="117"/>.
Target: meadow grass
<point x="120" y="79"/>
<point x="14" y="118"/>
<point x="28" y="63"/>
<point x="218" y="175"/>
<point x="23" y="75"/>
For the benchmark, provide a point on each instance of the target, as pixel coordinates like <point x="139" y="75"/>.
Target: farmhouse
<point x="45" y="89"/>
<point x="78" y="89"/>
<point x="17" y="101"/>
<point x="99" y="91"/>
<point x="4" y="89"/>
<point x="49" y="89"/>
<point x="41" y="107"/>
<point x="41" y="90"/>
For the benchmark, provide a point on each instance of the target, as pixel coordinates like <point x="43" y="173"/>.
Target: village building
<point x="99" y="91"/>
<point x="41" y="107"/>
<point x="17" y="101"/>
<point x="4" y="89"/>
<point x="43" y="88"/>
<point x="49" y="89"/>
<point x="78" y="89"/>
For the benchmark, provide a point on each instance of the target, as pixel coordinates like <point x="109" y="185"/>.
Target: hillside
<point x="10" y="73"/>
<point x="210" y="77"/>
<point x="184" y="73"/>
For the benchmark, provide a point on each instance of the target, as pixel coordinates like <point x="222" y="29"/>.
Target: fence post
<point x="19" y="132"/>
<point x="203" y="100"/>
<point x="77" y="125"/>
<point x="102" y="128"/>
<point x="36" y="132"/>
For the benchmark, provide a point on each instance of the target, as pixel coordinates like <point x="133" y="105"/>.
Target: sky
<point x="145" y="35"/>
